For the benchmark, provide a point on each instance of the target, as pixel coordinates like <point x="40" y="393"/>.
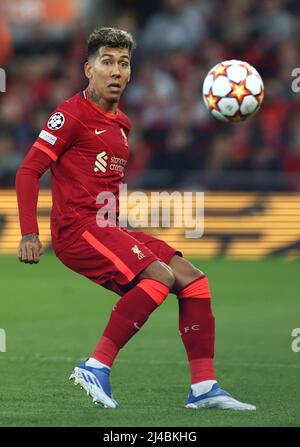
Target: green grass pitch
<point x="53" y="318"/>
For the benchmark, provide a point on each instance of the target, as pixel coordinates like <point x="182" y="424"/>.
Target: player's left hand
<point x="30" y="249"/>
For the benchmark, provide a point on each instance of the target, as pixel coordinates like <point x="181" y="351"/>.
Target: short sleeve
<point x="58" y="134"/>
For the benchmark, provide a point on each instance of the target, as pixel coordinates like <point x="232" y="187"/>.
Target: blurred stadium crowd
<point x="174" y="141"/>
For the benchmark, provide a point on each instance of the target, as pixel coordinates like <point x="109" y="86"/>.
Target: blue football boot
<point x="216" y="398"/>
<point x="96" y="383"/>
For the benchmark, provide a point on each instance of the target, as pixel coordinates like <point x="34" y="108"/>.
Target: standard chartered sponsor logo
<point x="115" y="163"/>
<point x="101" y="163"/>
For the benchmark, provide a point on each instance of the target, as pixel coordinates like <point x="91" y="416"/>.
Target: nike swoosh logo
<point x="97" y="132"/>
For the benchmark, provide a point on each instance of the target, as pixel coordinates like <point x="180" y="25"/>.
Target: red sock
<point x="197" y="329"/>
<point x="128" y="316"/>
<point x="106" y="351"/>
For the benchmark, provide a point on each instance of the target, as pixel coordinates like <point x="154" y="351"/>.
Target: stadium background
<point x="250" y="174"/>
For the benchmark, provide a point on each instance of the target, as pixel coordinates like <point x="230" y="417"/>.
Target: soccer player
<point x="84" y="143"/>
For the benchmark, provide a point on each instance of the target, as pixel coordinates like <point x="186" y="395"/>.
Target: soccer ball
<point x="233" y="91"/>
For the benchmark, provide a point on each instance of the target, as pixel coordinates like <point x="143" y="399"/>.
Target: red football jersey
<point x="89" y="150"/>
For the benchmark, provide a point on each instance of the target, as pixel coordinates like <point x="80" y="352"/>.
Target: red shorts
<point x="114" y="256"/>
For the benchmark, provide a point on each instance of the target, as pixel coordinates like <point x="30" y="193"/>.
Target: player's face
<point x="109" y="73"/>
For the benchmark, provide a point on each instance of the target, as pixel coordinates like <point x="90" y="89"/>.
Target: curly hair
<point x="109" y="37"/>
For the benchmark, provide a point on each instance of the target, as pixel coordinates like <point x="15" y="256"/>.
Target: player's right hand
<point x="30" y="249"/>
